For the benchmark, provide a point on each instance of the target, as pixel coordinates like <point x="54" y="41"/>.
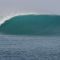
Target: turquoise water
<point x="32" y="25"/>
<point x="30" y="37"/>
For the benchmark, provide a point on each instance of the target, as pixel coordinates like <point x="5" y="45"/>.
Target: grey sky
<point x="41" y="6"/>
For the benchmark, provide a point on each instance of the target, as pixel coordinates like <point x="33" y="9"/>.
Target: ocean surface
<point x="30" y="37"/>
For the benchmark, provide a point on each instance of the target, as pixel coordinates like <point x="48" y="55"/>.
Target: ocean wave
<point x="31" y="24"/>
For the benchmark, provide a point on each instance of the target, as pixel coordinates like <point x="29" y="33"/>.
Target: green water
<point x="32" y="25"/>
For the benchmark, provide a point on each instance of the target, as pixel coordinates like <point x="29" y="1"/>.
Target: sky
<point x="20" y="6"/>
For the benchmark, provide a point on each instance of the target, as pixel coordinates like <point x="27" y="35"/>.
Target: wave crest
<point x="32" y="24"/>
<point x="13" y="15"/>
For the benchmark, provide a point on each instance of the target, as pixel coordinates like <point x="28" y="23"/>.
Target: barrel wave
<point x="32" y="25"/>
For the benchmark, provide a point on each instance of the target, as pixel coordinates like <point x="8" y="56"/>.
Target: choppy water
<point x="29" y="47"/>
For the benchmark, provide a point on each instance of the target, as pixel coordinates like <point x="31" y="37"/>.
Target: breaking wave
<point x="31" y="24"/>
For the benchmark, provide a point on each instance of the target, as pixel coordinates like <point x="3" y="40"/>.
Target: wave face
<point x="32" y="25"/>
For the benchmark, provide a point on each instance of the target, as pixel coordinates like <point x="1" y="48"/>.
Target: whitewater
<point x="30" y="36"/>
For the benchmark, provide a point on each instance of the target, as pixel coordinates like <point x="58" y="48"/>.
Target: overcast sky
<point x="40" y="6"/>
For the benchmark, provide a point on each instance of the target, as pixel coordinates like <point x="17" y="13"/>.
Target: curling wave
<point x="32" y="24"/>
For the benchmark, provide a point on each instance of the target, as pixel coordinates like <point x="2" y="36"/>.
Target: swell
<point x="32" y="25"/>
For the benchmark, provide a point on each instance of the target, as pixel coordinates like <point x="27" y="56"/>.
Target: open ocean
<point x="30" y="37"/>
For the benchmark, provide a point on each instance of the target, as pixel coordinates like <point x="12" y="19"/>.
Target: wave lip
<point x="32" y="24"/>
<point x="21" y="14"/>
<point x="13" y="15"/>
